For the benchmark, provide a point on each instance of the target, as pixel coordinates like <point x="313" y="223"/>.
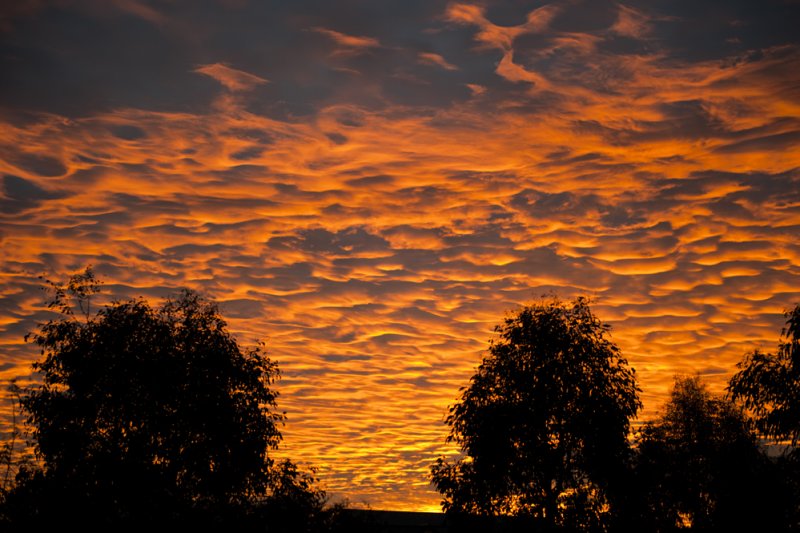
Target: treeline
<point x="152" y="416"/>
<point x="545" y="430"/>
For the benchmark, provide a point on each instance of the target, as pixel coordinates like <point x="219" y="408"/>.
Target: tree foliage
<point x="148" y="408"/>
<point x="769" y="384"/>
<point x="543" y="424"/>
<point x="699" y="464"/>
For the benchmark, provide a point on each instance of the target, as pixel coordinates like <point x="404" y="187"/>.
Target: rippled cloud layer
<point x="370" y="187"/>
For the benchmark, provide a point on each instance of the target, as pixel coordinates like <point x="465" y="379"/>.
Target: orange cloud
<point x="231" y="78"/>
<point x="430" y="58"/>
<point x="351" y="43"/>
<point x="140" y="10"/>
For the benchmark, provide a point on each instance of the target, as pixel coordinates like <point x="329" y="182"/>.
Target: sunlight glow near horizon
<point x="372" y="210"/>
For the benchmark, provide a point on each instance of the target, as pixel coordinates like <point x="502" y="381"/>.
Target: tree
<point x="12" y="452"/>
<point x="543" y="424"/>
<point x="769" y="384"/>
<point x="699" y="464"/>
<point x="143" y="408"/>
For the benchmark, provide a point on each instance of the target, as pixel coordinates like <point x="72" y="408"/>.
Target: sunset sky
<point x="369" y="186"/>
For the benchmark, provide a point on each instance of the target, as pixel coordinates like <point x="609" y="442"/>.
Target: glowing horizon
<point x="369" y="189"/>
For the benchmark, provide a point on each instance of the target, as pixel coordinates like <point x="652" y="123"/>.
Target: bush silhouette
<point x="699" y="464"/>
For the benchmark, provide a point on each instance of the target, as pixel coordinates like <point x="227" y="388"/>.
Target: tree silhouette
<point x="147" y="411"/>
<point x="12" y="457"/>
<point x="543" y="424"/>
<point x="699" y="464"/>
<point x="769" y="384"/>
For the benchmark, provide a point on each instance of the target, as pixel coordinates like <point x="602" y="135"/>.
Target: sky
<point x="370" y="187"/>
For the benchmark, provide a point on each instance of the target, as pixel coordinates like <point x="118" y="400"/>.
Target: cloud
<point x="21" y="194"/>
<point x="349" y="43"/>
<point x="430" y="58"/>
<point x="631" y="23"/>
<point x="496" y="36"/>
<point x="39" y="164"/>
<point x="231" y="78"/>
<point x="476" y="89"/>
<point x="502" y="37"/>
<point x="141" y="10"/>
<point x="778" y="142"/>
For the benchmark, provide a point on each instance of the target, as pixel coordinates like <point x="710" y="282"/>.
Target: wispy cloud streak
<point x="231" y="78"/>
